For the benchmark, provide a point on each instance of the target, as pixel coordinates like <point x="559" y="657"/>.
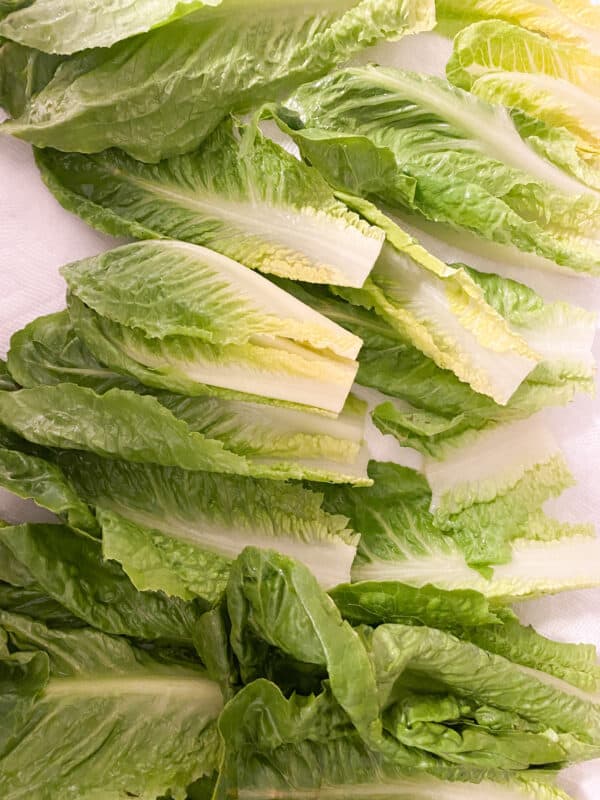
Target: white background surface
<point x="37" y="237"/>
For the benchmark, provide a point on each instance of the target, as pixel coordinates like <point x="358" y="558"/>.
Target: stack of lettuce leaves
<point x="405" y="709"/>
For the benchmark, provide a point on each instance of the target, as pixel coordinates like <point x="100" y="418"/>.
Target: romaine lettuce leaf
<point x="573" y="663"/>
<point x="570" y="21"/>
<point x="7" y="383"/>
<point x="47" y="351"/>
<point x="522" y="457"/>
<point x="423" y="145"/>
<point x="552" y="721"/>
<point x="443" y="312"/>
<point x="276" y="441"/>
<point x="372" y="602"/>
<point x="54" y="563"/>
<point x="399" y="649"/>
<point x="239" y="194"/>
<point x="552" y="81"/>
<point x="23" y="73"/>
<point x="199" y="522"/>
<point x="91" y="715"/>
<point x="34" y="478"/>
<point x="170" y="288"/>
<point x="76" y="25"/>
<point x="73" y="417"/>
<point x="159" y="94"/>
<point x="27" y="471"/>
<point x="489" y="626"/>
<point x="36" y="604"/>
<point x="193" y="317"/>
<point x="275" y="603"/>
<point x="481" y="548"/>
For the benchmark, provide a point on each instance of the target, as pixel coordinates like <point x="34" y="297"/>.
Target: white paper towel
<point x="37" y="237"/>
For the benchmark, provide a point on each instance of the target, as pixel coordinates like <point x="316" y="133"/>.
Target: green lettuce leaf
<point x="573" y="663"/>
<point x="23" y="73"/>
<point x="446" y="155"/>
<point x="34" y="478"/>
<point x="276" y="441"/>
<point x="77" y="26"/>
<point x="275" y="602"/>
<point x="94" y="716"/>
<point x="159" y="94"/>
<point x="372" y="602"/>
<point x="239" y="194"/>
<point x="7" y="383"/>
<point x="573" y="22"/>
<point x="54" y="563"/>
<point x="441" y="412"/>
<point x="47" y="351"/>
<point x="550" y="80"/>
<point x="180" y="289"/>
<point x="37" y="605"/>
<point x="443" y="312"/>
<point x="490" y="627"/>
<point x="73" y="417"/>
<point x="282" y="443"/>
<point x="278" y="369"/>
<point x="187" y="527"/>
<point x="417" y="659"/>
<point x="535" y="469"/>
<point x="193" y="317"/>
<point x="481" y="547"/>
<point x="211" y="639"/>
<point x="275" y="605"/>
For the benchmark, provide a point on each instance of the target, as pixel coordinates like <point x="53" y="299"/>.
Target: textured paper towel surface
<point x="37" y="237"/>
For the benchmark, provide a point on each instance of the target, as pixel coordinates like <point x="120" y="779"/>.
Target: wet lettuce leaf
<point x="240" y="194"/>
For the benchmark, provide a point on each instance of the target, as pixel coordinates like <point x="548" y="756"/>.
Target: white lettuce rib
<point x="490" y="366"/>
<point x="535" y="568"/>
<point x="199" y="690"/>
<point x="490" y="463"/>
<point x="411" y="788"/>
<point x="314" y="247"/>
<point x="329" y="560"/>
